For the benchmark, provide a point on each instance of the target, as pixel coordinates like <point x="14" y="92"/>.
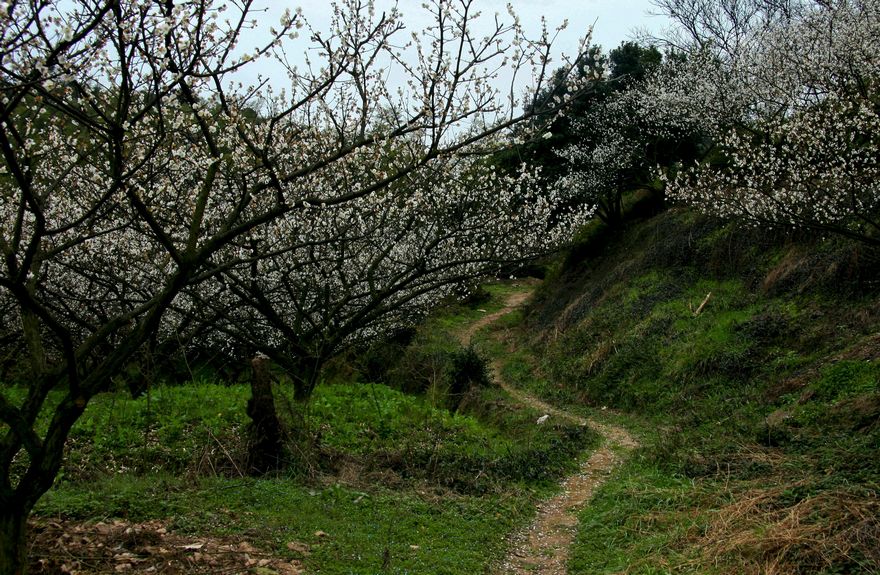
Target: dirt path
<point x="543" y="548"/>
<point x="513" y="302"/>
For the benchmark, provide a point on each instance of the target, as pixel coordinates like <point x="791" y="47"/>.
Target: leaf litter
<point x="63" y="547"/>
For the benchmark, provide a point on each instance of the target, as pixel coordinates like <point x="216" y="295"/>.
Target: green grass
<point x="200" y="429"/>
<point x="848" y="378"/>
<point x="425" y="363"/>
<point x="416" y="532"/>
<point x="635" y="522"/>
<point x="458" y="536"/>
<point x="496" y="446"/>
<point x="457" y="316"/>
<point x="519" y="366"/>
<point x="697" y="394"/>
<point x="423" y="524"/>
<point x="399" y="482"/>
<point x="169" y="429"/>
<point x="369" y="417"/>
<point x="758" y="416"/>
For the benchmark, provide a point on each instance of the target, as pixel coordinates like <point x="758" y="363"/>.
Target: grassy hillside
<point x="751" y="362"/>
<point x="375" y="480"/>
<point x="747" y="362"/>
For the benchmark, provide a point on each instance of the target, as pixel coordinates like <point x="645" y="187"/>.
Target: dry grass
<point x="765" y="531"/>
<point x="793" y="260"/>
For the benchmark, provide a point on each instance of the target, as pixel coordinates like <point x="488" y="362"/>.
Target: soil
<point x="76" y="548"/>
<point x="543" y="547"/>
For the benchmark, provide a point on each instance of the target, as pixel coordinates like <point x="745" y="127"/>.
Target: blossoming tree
<point x="631" y="127"/>
<point x="799" y="137"/>
<point x="334" y="276"/>
<point x="136" y="171"/>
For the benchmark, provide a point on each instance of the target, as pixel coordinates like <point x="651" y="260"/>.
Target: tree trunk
<point x="266" y="446"/>
<point x="30" y="325"/>
<point x="305" y="379"/>
<point x="13" y="542"/>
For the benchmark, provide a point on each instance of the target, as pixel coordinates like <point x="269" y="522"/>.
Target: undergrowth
<point x="397" y="475"/>
<point x="753" y="363"/>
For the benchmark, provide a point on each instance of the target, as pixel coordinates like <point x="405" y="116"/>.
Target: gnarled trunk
<point x="13" y="541"/>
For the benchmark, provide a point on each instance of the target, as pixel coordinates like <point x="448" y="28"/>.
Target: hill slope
<point x="752" y="361"/>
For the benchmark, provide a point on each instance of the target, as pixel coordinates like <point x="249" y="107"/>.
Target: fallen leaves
<point x="298" y="547"/>
<point x="74" y="548"/>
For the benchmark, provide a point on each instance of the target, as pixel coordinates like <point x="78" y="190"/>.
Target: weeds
<point x="762" y="412"/>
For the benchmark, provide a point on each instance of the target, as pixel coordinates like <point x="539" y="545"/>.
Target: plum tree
<point x="790" y="91"/>
<point x="136" y="172"/>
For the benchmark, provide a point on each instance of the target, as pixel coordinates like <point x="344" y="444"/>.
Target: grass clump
<point x="760" y="401"/>
<point x="848" y="378"/>
<point x="386" y="434"/>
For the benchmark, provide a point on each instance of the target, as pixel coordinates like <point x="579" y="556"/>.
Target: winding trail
<point x="543" y="547"/>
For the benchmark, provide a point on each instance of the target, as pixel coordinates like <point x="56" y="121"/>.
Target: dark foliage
<point x="467" y="369"/>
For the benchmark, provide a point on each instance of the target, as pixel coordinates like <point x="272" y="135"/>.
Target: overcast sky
<point x="613" y="21"/>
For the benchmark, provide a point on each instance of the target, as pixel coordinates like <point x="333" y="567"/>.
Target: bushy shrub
<point x="467" y="369"/>
<point x="377" y="362"/>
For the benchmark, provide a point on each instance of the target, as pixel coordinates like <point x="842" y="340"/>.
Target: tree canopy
<point x="790" y="91"/>
<point x="146" y="197"/>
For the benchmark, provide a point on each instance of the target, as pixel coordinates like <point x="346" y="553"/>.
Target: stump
<point x="267" y="434"/>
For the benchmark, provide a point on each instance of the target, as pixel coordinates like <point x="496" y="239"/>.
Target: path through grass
<point x="544" y="546"/>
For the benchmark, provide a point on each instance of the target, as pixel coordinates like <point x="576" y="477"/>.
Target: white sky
<point x="613" y="21"/>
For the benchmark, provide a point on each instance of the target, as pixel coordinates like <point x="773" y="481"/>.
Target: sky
<point x="613" y="21"/>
